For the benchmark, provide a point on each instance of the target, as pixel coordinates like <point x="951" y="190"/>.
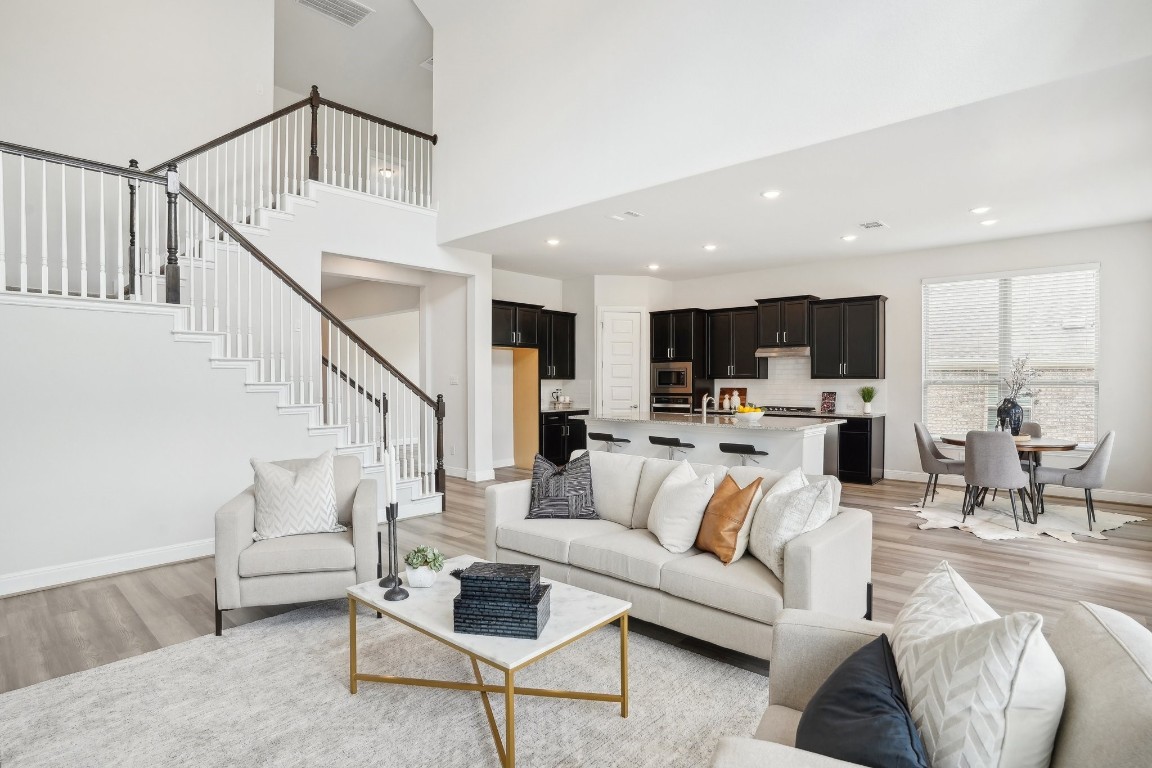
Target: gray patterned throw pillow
<point x="562" y="492"/>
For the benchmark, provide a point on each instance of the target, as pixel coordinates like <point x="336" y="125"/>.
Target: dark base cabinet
<point x="560" y="435"/>
<point x="862" y="450"/>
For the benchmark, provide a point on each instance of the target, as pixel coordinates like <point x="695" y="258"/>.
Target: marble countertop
<point x="836" y="415"/>
<point x="769" y="423"/>
<point x="554" y="408"/>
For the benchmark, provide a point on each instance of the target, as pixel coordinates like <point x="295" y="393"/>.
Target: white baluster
<point x="260" y="131"/>
<point x="23" y="230"/>
<point x="275" y="167"/>
<point x="3" y="263"/>
<point x="312" y="329"/>
<point x="302" y="360"/>
<point x="360" y="152"/>
<point x="83" y="236"/>
<point x="64" y="231"/>
<point x="227" y="295"/>
<point x="119" y="237"/>
<point x="249" y="302"/>
<point x="263" y="322"/>
<point x="103" y="248"/>
<point x="283" y="336"/>
<point x="216" y="267"/>
<point x="329" y="391"/>
<point x="154" y="253"/>
<point x="44" y="227"/>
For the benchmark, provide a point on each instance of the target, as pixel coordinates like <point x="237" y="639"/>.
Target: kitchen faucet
<point x="704" y="406"/>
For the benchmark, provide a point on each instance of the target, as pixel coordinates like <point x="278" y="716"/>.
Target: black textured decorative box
<point x="502" y="599"/>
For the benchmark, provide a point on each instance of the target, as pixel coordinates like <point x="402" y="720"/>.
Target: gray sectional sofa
<point x="734" y="606"/>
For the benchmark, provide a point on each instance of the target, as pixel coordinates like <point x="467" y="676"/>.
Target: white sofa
<point x="734" y="606"/>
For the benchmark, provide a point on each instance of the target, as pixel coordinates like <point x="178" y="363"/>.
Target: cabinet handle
<point x="785" y="337"/>
<point x="777" y="337"/>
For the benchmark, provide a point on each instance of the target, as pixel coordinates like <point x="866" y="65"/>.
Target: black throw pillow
<point x="859" y="715"/>
<point x="562" y="492"/>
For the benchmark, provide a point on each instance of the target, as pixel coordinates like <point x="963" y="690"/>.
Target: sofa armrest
<point x="503" y="502"/>
<point x="829" y="569"/>
<point x="365" y="527"/>
<point x="808" y="646"/>
<point x="235" y="524"/>
<point x="735" y="752"/>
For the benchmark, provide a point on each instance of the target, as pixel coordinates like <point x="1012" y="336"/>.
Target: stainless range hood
<point x="784" y="352"/>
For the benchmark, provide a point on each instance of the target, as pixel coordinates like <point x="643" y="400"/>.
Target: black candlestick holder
<point x="391" y="582"/>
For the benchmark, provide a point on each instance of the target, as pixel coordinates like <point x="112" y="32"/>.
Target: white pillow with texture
<point x="679" y="506"/>
<point x="293" y="502"/>
<point x="982" y="690"/>
<point x="785" y="514"/>
<point x="744" y="536"/>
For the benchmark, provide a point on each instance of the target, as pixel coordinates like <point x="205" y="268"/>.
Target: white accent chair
<point x="301" y="568"/>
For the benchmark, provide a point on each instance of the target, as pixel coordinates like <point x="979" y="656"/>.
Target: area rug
<point x="275" y="693"/>
<point x="994" y="522"/>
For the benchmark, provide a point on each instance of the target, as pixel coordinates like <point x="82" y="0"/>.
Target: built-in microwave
<point x="672" y="379"/>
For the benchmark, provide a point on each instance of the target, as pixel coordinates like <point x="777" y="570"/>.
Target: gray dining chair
<point x="990" y="461"/>
<point x="933" y="461"/>
<point x="1032" y="429"/>
<point x="1089" y="475"/>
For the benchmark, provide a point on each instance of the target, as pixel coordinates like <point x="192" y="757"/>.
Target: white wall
<point x="527" y="289"/>
<point x="1125" y="257"/>
<point x="503" y="439"/>
<point x="123" y="79"/>
<point x="599" y="98"/>
<point x="124" y="443"/>
<point x="396" y="337"/>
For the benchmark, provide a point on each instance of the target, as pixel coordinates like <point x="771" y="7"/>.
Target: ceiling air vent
<point x="873" y="225"/>
<point x="427" y="63"/>
<point x="633" y="214"/>
<point x="347" y="12"/>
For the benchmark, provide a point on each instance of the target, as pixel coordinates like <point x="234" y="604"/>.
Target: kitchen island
<point x="791" y="442"/>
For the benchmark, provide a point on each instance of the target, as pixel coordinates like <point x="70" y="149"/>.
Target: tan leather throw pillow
<point x="725" y="517"/>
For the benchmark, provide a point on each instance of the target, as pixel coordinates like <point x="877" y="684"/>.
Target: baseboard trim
<point x="83" y="570"/>
<point x="481" y="475"/>
<point x="459" y="472"/>
<point x="1116" y="497"/>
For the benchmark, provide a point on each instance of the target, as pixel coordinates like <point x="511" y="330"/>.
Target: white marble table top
<point x="574" y="611"/>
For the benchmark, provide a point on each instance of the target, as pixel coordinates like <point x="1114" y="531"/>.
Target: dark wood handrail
<point x="379" y="120"/>
<point x="91" y="165"/>
<point x="300" y="291"/>
<point x="233" y="134"/>
<point x="352" y="382"/>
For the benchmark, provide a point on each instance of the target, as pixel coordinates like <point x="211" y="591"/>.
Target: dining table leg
<point x="1033" y="493"/>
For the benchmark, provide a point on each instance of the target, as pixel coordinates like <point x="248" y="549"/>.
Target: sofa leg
<point x="219" y="613"/>
<point x="868" y="602"/>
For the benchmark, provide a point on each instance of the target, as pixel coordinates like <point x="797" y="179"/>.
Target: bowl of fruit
<point x="749" y="413"/>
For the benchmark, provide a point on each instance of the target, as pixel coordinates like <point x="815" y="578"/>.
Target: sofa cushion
<point x="302" y="553"/>
<point x="633" y="555"/>
<point x="562" y="492"/>
<point x="746" y="587"/>
<point x="859" y="714"/>
<point x="1107" y="659"/>
<point x="652" y="476"/>
<point x="982" y="690"/>
<point x="778" y="725"/>
<point x="679" y="507"/>
<point x="615" y="477"/>
<point x="786" y="512"/>
<point x="550" y="538"/>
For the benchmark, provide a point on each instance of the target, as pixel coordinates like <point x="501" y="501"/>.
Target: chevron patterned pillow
<point x="562" y="492"/>
<point x="290" y="503"/>
<point x="983" y="690"/>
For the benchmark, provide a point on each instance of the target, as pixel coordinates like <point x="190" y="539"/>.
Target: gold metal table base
<point x="505" y="747"/>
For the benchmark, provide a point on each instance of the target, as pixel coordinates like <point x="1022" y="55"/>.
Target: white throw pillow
<point x="679" y="508"/>
<point x="289" y="503"/>
<point x="615" y="477"/>
<point x="982" y="690"/>
<point x="790" y="508"/>
<point x="745" y="534"/>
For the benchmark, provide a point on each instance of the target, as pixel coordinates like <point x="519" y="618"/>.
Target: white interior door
<point x="620" y="365"/>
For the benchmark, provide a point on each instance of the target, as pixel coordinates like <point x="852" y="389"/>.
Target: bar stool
<point x="608" y="440"/>
<point x="673" y="444"/>
<point x="744" y="451"/>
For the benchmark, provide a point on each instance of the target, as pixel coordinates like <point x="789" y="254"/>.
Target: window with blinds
<point x="975" y="328"/>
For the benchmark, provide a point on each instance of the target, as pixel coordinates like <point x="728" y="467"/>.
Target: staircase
<point x="182" y="234"/>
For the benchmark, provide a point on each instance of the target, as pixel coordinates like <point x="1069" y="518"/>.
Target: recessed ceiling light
<point x="553" y="241"/>
<point x="710" y="247"/>
<point x="848" y="238"/>
<point x="386" y="172"/>
<point x="653" y="267"/>
<point x="616" y="216"/>
<point x="771" y="194"/>
<point x="989" y="222"/>
<point x="981" y="209"/>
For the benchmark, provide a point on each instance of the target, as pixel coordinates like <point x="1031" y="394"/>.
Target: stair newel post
<point x="130" y="289"/>
<point x="172" y="267"/>
<point x="441" y="475"/>
<point x="314" y="157"/>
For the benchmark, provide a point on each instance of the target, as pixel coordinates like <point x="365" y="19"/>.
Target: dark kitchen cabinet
<point x="783" y="322"/>
<point x="847" y="338"/>
<point x="861" y="450"/>
<point x="732" y="343"/>
<point x="557" y="345"/>
<point x="678" y="336"/>
<point x="560" y="434"/>
<point x="515" y="325"/>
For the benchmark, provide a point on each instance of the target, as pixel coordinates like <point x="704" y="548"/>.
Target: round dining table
<point x="1031" y="447"/>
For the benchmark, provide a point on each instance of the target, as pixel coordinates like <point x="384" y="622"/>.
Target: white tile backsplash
<point x="580" y="390"/>
<point x="788" y="381"/>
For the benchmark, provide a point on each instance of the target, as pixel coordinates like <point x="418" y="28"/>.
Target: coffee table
<point x="575" y="613"/>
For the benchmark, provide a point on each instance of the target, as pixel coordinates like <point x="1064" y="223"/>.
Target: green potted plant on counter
<point x="421" y="565"/>
<point x="867" y="394"/>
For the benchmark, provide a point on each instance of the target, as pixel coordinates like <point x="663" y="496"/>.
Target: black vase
<point x="1010" y="415"/>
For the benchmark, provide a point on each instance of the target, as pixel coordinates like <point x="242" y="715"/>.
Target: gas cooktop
<point x="788" y="408"/>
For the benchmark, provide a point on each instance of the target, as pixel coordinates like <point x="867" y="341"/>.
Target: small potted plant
<point x="867" y="394"/>
<point x="422" y="564"/>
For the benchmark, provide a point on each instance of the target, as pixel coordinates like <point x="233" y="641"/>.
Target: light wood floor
<point x="58" y="631"/>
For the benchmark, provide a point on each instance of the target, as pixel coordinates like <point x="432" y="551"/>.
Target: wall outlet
<point x="453" y="381"/>
<point x="452" y="450"/>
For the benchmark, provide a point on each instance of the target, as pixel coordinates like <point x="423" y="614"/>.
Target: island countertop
<point x="764" y="423"/>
